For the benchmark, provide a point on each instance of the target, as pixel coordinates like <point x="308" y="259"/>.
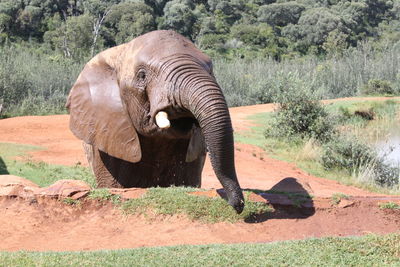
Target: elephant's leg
<point x="89" y="153"/>
<point x="104" y="174"/>
<point x="193" y="172"/>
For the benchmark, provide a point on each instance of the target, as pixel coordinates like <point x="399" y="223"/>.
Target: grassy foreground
<point x="178" y="200"/>
<point x="369" y="250"/>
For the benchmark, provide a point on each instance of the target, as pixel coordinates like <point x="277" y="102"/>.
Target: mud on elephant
<point x="147" y="110"/>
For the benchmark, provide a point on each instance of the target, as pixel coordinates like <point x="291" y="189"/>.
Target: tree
<point x="127" y="21"/>
<point x="335" y="43"/>
<point x="73" y="36"/>
<point x="280" y="14"/>
<point x="313" y="28"/>
<point x="157" y="6"/>
<point x="353" y="15"/>
<point x="230" y="11"/>
<point x="179" y="16"/>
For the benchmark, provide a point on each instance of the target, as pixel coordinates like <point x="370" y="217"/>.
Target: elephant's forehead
<point x="156" y="47"/>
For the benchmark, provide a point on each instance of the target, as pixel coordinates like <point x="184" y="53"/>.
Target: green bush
<point x="345" y="152"/>
<point x="300" y="114"/>
<point x="356" y="157"/>
<point x="378" y="87"/>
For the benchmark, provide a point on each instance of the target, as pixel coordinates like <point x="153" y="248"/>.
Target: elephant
<point x="148" y="111"/>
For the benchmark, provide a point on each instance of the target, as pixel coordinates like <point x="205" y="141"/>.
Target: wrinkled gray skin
<point x="114" y="102"/>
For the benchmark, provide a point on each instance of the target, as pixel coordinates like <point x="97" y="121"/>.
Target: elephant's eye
<point x="141" y="75"/>
<point x="141" y="79"/>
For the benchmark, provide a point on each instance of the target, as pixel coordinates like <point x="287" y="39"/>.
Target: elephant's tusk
<point x="162" y="120"/>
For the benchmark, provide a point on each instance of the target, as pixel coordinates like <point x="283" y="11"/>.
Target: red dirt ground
<point x="50" y="225"/>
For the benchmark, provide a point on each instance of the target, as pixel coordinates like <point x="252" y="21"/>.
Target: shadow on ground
<point x="289" y="199"/>
<point x="3" y="167"/>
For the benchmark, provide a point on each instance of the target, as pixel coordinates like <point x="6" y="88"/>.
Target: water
<point x="390" y="147"/>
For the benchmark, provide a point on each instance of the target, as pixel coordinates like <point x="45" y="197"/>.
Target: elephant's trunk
<point x="206" y="102"/>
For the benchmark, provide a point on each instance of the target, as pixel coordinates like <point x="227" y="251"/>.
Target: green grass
<point x="368" y="250"/>
<point x="177" y="200"/>
<point x="306" y="156"/>
<point x="337" y="197"/>
<point x="103" y="194"/>
<point x="71" y="201"/>
<point x="41" y="173"/>
<point x="389" y="205"/>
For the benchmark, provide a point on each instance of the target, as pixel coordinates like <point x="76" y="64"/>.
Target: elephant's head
<point x="159" y="84"/>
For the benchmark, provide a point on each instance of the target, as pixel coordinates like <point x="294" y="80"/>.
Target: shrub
<point x="345" y="152"/>
<point x="378" y="87"/>
<point x="300" y="114"/>
<point x="360" y="160"/>
<point x="33" y="83"/>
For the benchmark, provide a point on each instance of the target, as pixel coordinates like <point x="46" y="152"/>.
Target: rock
<point x="14" y="186"/>
<point x="10" y="180"/>
<point x="65" y="188"/>
<point x="11" y="191"/>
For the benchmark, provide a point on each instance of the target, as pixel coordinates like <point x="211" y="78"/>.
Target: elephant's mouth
<point x="183" y="125"/>
<point x="179" y="123"/>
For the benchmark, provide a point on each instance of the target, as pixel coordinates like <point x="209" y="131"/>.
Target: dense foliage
<point x="339" y="48"/>
<point x="228" y="28"/>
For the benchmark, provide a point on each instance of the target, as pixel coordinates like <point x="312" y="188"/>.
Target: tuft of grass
<point x="310" y="151"/>
<point x="177" y="200"/>
<point x="103" y="194"/>
<point x="41" y="173"/>
<point x="370" y="250"/>
<point x="337" y="197"/>
<point x="389" y="205"/>
<point x="71" y="201"/>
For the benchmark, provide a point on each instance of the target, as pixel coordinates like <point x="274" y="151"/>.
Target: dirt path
<point x="52" y="226"/>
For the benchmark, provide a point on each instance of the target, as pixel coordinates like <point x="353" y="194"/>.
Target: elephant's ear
<point x="97" y="115"/>
<point x="197" y="145"/>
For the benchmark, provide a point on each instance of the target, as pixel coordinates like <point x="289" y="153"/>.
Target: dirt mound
<point x="48" y="224"/>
